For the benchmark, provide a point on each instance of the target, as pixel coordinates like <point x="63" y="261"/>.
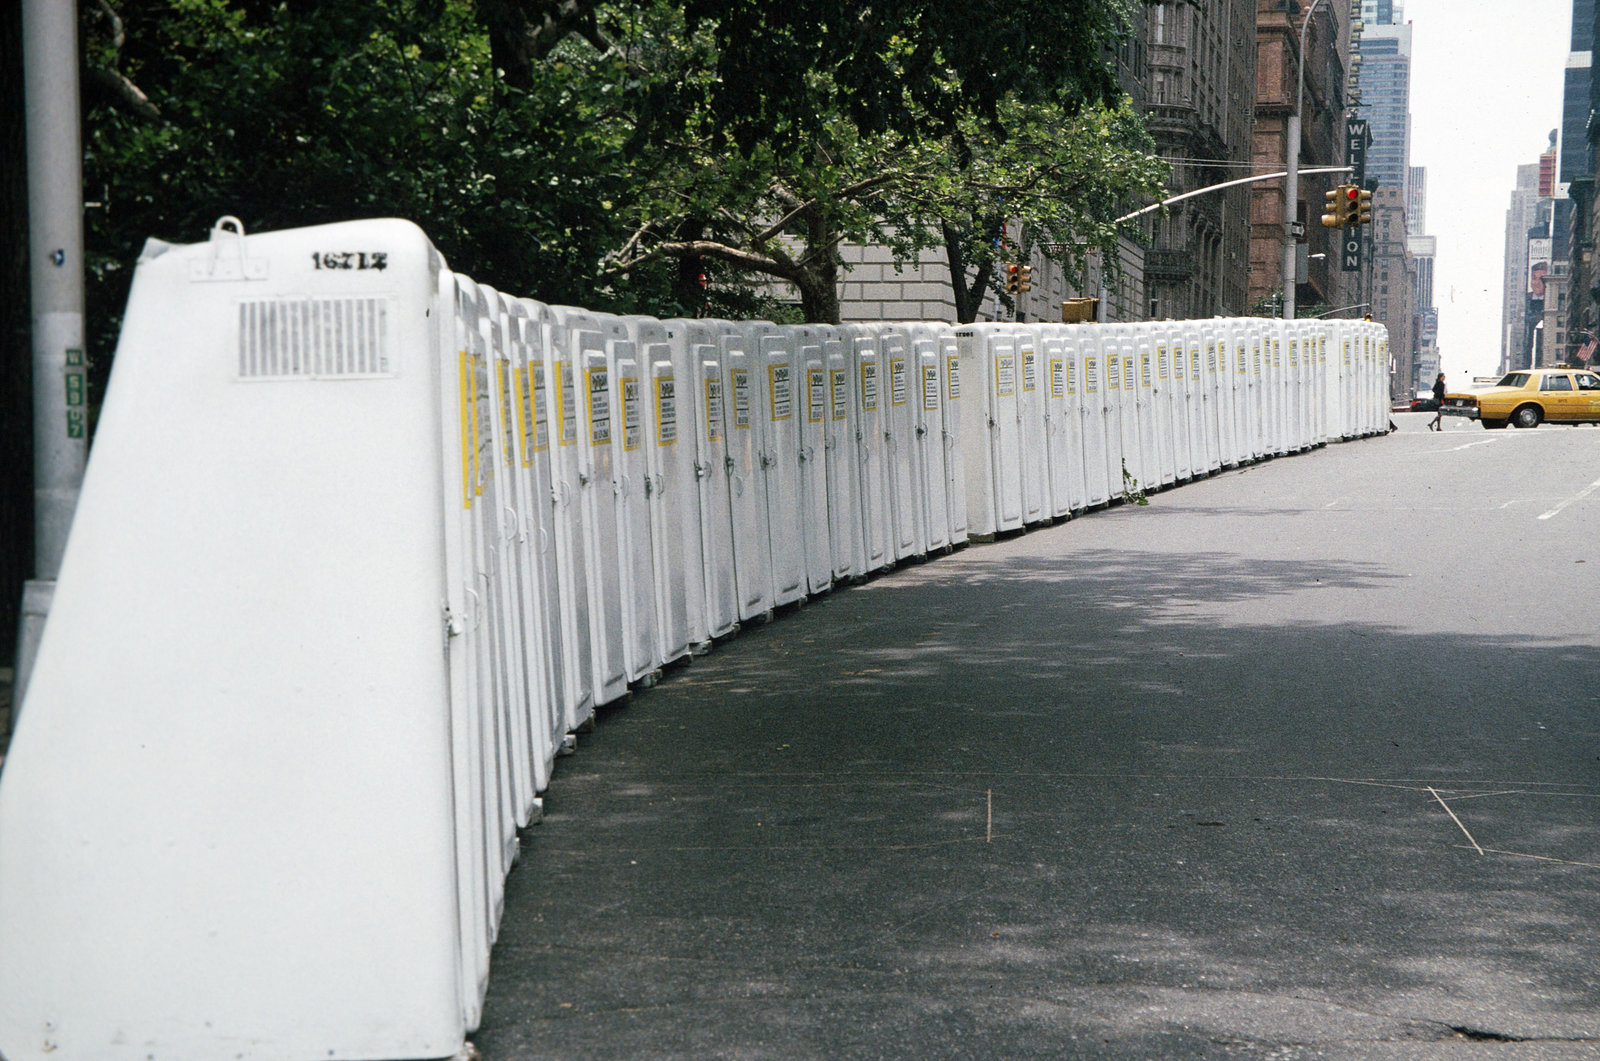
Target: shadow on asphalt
<point x="1017" y="806"/>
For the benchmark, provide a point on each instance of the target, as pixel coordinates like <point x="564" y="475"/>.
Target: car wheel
<point x="1492" y="425"/>
<point x="1527" y="416"/>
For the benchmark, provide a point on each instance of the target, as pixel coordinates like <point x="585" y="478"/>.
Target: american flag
<point x="1586" y="351"/>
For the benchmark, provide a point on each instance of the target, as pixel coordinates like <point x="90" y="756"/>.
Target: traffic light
<point x="1333" y="213"/>
<point x="1025" y="278"/>
<point x="1363" y="207"/>
<point x="1013" y="280"/>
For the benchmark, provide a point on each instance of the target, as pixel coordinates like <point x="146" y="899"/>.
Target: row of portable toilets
<point x="364" y="544"/>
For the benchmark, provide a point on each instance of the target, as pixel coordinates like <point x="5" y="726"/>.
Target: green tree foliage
<point x="612" y="154"/>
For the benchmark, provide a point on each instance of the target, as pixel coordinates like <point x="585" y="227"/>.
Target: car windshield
<point x="1513" y="379"/>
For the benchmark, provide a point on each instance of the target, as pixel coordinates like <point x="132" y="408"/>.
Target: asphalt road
<point x="1300" y="761"/>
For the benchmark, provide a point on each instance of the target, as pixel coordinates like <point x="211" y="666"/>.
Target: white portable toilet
<point x="597" y="501"/>
<point x="987" y="357"/>
<point x="671" y="492"/>
<point x="910" y="532"/>
<point x="1239" y="341"/>
<point x="1202" y="409"/>
<point x="486" y="679"/>
<point x="1217" y="411"/>
<point x="1253" y="390"/>
<point x="778" y="394"/>
<point x="230" y="806"/>
<point x="847" y="543"/>
<point x="742" y="423"/>
<point x="1102" y="442"/>
<point x="877" y="515"/>
<point x="1131" y="472"/>
<point x="1281" y="388"/>
<point x="1074" y="339"/>
<point x="1154" y="412"/>
<point x="1031" y="426"/>
<point x="932" y="488"/>
<point x="523" y="339"/>
<point x="1266" y="387"/>
<point x="1172" y="357"/>
<point x="953" y="442"/>
<point x="630" y="480"/>
<point x="567" y="472"/>
<point x="1061" y="451"/>
<point x="696" y="352"/>
<point x="502" y="665"/>
<point x="531" y="740"/>
<point x="813" y="412"/>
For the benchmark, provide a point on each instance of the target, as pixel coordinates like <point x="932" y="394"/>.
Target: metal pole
<point x="1219" y="187"/>
<point x="55" y="247"/>
<point x="1291" y="184"/>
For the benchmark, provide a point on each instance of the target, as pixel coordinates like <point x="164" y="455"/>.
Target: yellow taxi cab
<point x="1528" y="397"/>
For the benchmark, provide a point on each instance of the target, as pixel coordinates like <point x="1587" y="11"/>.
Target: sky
<point x="1486" y="82"/>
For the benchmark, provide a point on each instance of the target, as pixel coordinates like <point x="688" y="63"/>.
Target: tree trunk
<point x="819" y="281"/>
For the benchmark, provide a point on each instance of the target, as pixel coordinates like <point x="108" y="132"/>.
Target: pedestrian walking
<point x="1437" y="423"/>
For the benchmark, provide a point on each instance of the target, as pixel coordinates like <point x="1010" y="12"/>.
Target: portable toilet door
<point x="812" y="411"/>
<point x="1243" y="433"/>
<point x="899" y="438"/>
<point x="478" y="747"/>
<point x="742" y="423"/>
<point x="1280" y="389"/>
<point x="599" y="505"/>
<point x="877" y="516"/>
<point x="571" y="542"/>
<point x="1072" y="337"/>
<point x="1299" y="386"/>
<point x="1060" y="453"/>
<point x="1178" y="380"/>
<point x="1135" y="468"/>
<point x="631" y="477"/>
<point x="698" y="343"/>
<point x="1094" y="409"/>
<point x="951" y="438"/>
<point x="518" y="577"/>
<point x="1284" y="375"/>
<point x="1217" y="397"/>
<point x="927" y="405"/>
<point x="671" y="495"/>
<point x="533" y="440"/>
<point x="1110" y="362"/>
<point x="498" y="577"/>
<point x="987" y="364"/>
<point x="1256" y="388"/>
<point x="1200" y="445"/>
<point x="777" y="395"/>
<point x="1267" y="389"/>
<point x="1031" y="427"/>
<point x="845" y="540"/>
<point x="1154" y="431"/>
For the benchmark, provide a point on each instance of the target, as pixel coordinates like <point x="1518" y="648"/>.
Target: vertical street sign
<point x="1356" y="135"/>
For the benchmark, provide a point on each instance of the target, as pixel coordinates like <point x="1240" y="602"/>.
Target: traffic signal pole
<point x="1291" y="185"/>
<point x="55" y="259"/>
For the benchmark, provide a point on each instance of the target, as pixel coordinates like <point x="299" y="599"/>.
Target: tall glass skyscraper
<point x="1386" y="102"/>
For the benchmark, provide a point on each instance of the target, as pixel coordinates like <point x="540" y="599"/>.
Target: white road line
<point x="1469" y="445"/>
<point x="1579" y="496"/>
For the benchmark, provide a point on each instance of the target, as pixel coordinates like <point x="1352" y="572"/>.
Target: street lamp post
<point x="1291" y="183"/>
